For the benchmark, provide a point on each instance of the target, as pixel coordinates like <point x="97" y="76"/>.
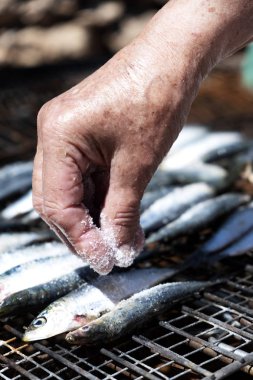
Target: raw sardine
<point x="91" y="300"/>
<point x="36" y="272"/>
<point x="236" y="225"/>
<point x="11" y="241"/>
<point x="22" y="206"/>
<point x="202" y="149"/>
<point x="169" y="207"/>
<point x="188" y="135"/>
<point x="20" y="256"/>
<point x="151" y="196"/>
<point x="159" y="179"/>
<point x="199" y="216"/>
<point x="240" y="247"/>
<point x="133" y="312"/>
<point x="46" y="292"/>
<point x="15" y="178"/>
<point x="213" y="175"/>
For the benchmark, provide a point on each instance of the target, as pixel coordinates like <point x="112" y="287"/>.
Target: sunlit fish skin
<point x="199" y="216"/>
<point x="20" y="256"/>
<point x="236" y="225"/>
<point x="15" y="178"/>
<point x="188" y="135"/>
<point x="44" y="293"/>
<point x="91" y="300"/>
<point x="133" y="312"/>
<point x="169" y="207"/>
<point x="22" y="206"/>
<point x="213" y="175"/>
<point x="11" y="241"/>
<point x="201" y="149"/>
<point x="151" y="196"/>
<point x="36" y="272"/>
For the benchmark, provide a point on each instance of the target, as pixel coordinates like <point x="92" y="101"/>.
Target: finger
<point x="120" y="215"/>
<point x="63" y="194"/>
<point x="37" y="184"/>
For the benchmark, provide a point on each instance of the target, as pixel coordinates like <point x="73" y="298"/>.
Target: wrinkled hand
<point x="98" y="145"/>
<point x="100" y="142"/>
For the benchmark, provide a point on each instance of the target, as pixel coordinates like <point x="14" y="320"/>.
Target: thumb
<point x="120" y="218"/>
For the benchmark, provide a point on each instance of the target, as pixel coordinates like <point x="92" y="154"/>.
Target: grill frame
<point x="180" y="346"/>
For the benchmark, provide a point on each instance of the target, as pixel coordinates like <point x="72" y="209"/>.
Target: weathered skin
<point x="107" y="135"/>
<point x="133" y="312"/>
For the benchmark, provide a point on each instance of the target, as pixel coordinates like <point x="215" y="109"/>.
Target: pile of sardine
<point x="190" y="192"/>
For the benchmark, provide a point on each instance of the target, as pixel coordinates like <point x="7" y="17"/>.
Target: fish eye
<point x="40" y="322"/>
<point x="85" y="328"/>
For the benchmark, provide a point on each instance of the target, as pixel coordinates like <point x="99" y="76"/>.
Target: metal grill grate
<point x="209" y="337"/>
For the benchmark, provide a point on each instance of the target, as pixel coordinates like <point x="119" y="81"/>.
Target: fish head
<point x="52" y="321"/>
<point x="89" y="334"/>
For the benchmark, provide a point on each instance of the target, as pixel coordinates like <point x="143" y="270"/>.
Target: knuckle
<point x="51" y="115"/>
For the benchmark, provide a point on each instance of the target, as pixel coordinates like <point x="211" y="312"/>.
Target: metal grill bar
<point x="215" y="321"/>
<point x="207" y="339"/>
<point x="167" y="353"/>
<point x="201" y="342"/>
<point x="18" y="368"/>
<point x="231" y="305"/>
<point x="54" y="355"/>
<point x="127" y="364"/>
<point x="231" y="368"/>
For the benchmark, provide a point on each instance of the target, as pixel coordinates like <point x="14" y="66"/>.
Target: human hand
<point x="100" y="142"/>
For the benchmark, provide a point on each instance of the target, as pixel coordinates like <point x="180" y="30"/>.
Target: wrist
<point x="191" y="36"/>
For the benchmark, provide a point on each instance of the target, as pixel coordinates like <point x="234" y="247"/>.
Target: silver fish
<point x="11" y="241"/>
<point x="15" y="178"/>
<point x="151" y="196"/>
<point x="201" y="149"/>
<point x="91" y="300"/>
<point x="169" y="207"/>
<point x="133" y="312"/>
<point x="159" y="179"/>
<point x="188" y="135"/>
<point x="36" y="272"/>
<point x="22" y="206"/>
<point x="238" y="248"/>
<point x="213" y="175"/>
<point x="46" y="292"/>
<point x="20" y="256"/>
<point x="199" y="216"/>
<point x="234" y="227"/>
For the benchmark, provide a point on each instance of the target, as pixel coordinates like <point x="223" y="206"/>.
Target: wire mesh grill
<point x="209" y="337"/>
